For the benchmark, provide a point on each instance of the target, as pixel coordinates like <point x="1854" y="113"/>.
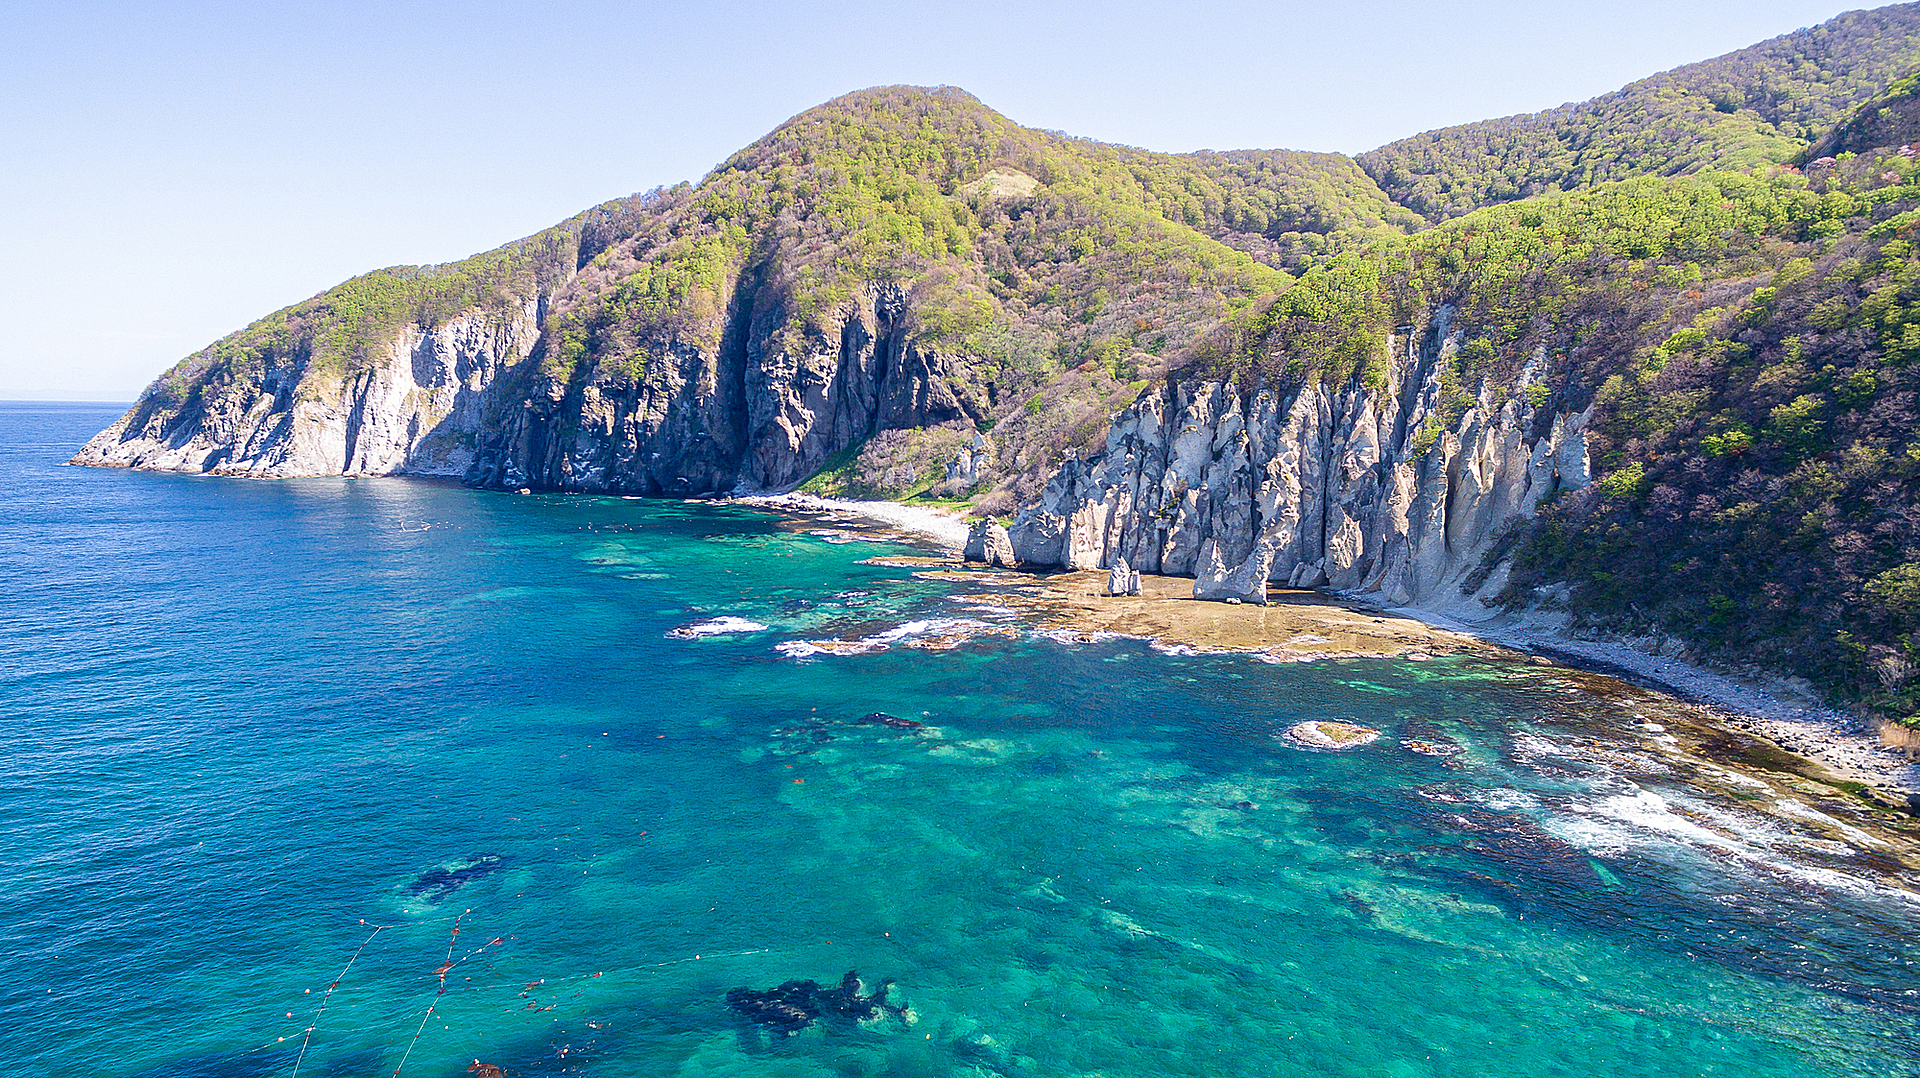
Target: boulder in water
<point x="1433" y="748"/>
<point x="1324" y="734"/>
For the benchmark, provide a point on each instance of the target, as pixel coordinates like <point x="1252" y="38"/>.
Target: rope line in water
<point x="336" y="983"/>
<point x="702" y="957"/>
<point x="442" y="972"/>
<point x="450" y="963"/>
<point x="328" y="994"/>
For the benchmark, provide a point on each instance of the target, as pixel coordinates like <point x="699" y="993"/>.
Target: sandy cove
<point x="946" y="528"/>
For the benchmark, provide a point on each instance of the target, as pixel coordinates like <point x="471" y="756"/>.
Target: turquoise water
<point x="243" y="723"/>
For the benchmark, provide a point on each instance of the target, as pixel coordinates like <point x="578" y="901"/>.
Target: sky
<point x="171" y="172"/>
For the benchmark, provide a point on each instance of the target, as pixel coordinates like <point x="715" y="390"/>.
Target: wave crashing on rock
<point x="716" y="627"/>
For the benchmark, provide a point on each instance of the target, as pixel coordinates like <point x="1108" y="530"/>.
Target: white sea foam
<point x="1794" y="808"/>
<point x="1735" y="778"/>
<point x="802" y="649"/>
<point x="720" y="626"/>
<point x="983" y="606"/>
<point x="1185" y="650"/>
<point x="1617" y="823"/>
<point x="1533" y="746"/>
<point x="924" y="632"/>
<point x="1506" y="799"/>
<point x="1648" y="823"/>
<point x="1075" y="636"/>
<point x="838" y="537"/>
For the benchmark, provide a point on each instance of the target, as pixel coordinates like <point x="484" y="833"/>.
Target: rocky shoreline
<point x="1837" y="749"/>
<point x="1780" y="712"/>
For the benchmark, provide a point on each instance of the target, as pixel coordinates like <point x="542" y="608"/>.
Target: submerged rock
<point x="795" y="1005"/>
<point x="440" y="881"/>
<point x="894" y="722"/>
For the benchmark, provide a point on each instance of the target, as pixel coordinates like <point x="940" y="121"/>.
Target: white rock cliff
<point x="1354" y="488"/>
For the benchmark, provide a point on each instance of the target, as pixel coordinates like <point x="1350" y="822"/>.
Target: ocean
<point x="376" y="777"/>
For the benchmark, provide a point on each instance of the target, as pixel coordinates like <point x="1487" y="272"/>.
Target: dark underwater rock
<point x="440" y="881"/>
<point x="796" y="1004"/>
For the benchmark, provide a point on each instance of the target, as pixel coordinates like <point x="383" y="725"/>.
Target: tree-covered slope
<point x="1889" y="119"/>
<point x="1027" y="278"/>
<point x="1762" y="487"/>
<point x="1746" y="349"/>
<point x="1760" y="105"/>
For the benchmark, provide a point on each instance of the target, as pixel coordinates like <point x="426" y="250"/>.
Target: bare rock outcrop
<point x="1361" y="489"/>
<point x="417" y="406"/>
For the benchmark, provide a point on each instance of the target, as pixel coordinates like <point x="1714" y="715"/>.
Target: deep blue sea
<point x="366" y="777"/>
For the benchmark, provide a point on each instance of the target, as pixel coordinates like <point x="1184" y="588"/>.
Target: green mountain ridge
<point x="1757" y="106"/>
<point x="902" y="293"/>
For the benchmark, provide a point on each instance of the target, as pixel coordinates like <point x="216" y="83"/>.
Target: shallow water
<point x="255" y="731"/>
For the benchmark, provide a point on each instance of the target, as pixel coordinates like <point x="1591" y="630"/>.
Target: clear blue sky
<point x="170" y="172"/>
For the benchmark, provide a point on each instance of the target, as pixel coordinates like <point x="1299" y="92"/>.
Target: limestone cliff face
<point x="753" y="414"/>
<point x="418" y="407"/>
<point x="472" y="398"/>
<point x="1349" y="487"/>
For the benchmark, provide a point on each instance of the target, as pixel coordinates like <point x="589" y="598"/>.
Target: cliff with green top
<point x="1645" y="362"/>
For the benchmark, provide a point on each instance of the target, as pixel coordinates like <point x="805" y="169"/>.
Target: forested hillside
<point x="1890" y="118"/>
<point x="1758" y="106"/>
<point x="1038" y="281"/>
